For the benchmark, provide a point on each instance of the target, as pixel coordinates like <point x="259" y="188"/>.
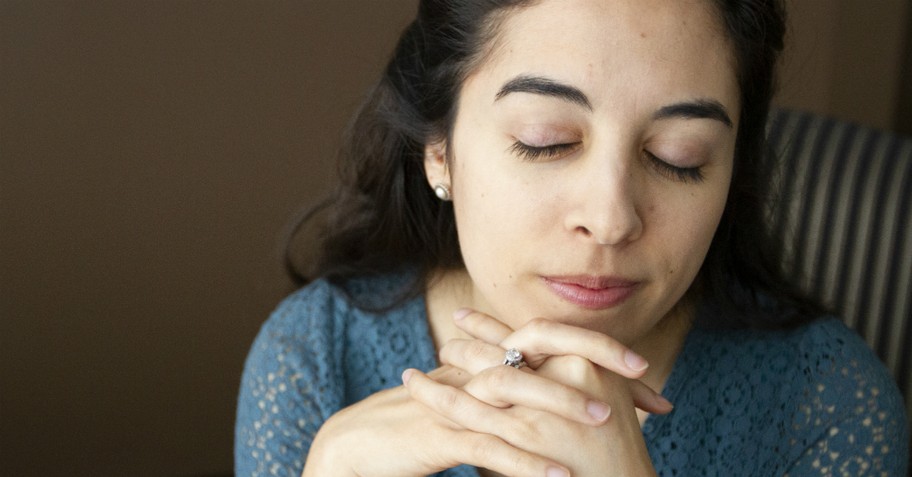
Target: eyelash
<point x="681" y="174"/>
<point x="533" y="153"/>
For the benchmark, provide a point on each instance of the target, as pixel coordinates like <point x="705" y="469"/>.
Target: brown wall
<point x="845" y="59"/>
<point x="150" y="153"/>
<point x="904" y="100"/>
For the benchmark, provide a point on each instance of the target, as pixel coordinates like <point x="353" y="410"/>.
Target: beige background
<point x="150" y="154"/>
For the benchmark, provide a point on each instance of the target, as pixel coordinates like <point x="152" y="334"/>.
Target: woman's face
<point x="590" y="161"/>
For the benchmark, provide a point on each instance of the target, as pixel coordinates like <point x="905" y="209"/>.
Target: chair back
<point x="845" y="208"/>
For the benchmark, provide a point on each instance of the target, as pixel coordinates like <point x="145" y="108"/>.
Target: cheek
<point x="692" y="243"/>
<point x="688" y="231"/>
<point x="496" y="208"/>
<point x="487" y="217"/>
<point x="703" y="228"/>
<point x="503" y="223"/>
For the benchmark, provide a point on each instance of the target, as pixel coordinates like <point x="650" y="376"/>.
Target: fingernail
<point x="635" y="361"/>
<point x="406" y="375"/>
<point x="664" y="402"/>
<point x="556" y="472"/>
<point x="598" y="410"/>
<point x="461" y="313"/>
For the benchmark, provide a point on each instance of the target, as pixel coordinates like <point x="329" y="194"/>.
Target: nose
<point x="606" y="208"/>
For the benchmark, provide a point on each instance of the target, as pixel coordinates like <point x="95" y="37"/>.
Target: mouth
<point x="590" y="291"/>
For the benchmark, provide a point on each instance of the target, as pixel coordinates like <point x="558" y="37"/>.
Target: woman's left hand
<point x="536" y="407"/>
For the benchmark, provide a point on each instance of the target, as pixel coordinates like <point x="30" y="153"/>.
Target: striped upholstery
<point x="846" y="210"/>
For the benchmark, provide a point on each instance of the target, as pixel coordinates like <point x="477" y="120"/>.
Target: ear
<point x="435" y="164"/>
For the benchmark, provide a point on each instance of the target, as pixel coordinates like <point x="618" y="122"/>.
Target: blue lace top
<point x="810" y="401"/>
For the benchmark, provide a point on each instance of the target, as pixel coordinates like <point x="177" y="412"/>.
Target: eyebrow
<point x="545" y="87"/>
<point x="699" y="109"/>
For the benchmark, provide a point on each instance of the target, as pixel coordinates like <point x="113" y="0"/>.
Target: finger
<point x="479" y="445"/>
<point x="490" y="452"/>
<point x="504" y="386"/>
<point x="473" y="356"/>
<point x="541" y="338"/>
<point x="497" y="385"/>
<point x="648" y="400"/>
<point x="481" y="326"/>
<point x="450" y="375"/>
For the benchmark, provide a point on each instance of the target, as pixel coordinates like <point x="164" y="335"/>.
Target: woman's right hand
<point x="392" y="434"/>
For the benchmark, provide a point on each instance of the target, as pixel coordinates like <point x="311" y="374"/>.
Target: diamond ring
<point x="514" y="358"/>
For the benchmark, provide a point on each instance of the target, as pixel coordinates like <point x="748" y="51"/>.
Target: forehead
<point x="659" y="48"/>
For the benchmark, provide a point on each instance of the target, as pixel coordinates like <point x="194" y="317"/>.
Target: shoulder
<point x="822" y="349"/>
<point x="305" y="309"/>
<point x="288" y="386"/>
<point x="300" y="330"/>
<point x="340" y="337"/>
<point x="794" y="390"/>
<point x="837" y="363"/>
<point x="318" y="352"/>
<point x="848" y="388"/>
<point x="839" y="368"/>
<point x="850" y="413"/>
<point x="318" y="316"/>
<point x="295" y="344"/>
<point x="313" y="309"/>
<point x="820" y="361"/>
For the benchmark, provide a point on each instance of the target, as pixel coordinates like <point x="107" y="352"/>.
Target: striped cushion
<point x="846" y="210"/>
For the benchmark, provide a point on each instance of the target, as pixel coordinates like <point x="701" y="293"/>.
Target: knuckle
<point x="482" y="447"/>
<point x="489" y="451"/>
<point x="540" y="325"/>
<point x="527" y="429"/>
<point x="448" y="399"/>
<point x="577" y="367"/>
<point x="498" y="377"/>
<point x="570" y="396"/>
<point x="474" y="350"/>
<point x="520" y="463"/>
<point x="577" y="362"/>
<point x="446" y="353"/>
<point x="506" y="458"/>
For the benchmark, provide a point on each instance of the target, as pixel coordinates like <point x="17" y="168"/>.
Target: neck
<point x="447" y="292"/>
<point x="662" y="346"/>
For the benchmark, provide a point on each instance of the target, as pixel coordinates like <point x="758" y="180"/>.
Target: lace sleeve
<point x="288" y="388"/>
<point x="859" y="417"/>
<point x="859" y="446"/>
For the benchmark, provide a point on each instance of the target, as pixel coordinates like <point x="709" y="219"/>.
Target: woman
<point x="573" y="189"/>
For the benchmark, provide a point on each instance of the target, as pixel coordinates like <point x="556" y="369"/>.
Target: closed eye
<point x="682" y="174"/>
<point x="534" y="153"/>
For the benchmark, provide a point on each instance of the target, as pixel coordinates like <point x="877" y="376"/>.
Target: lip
<point x="591" y="291"/>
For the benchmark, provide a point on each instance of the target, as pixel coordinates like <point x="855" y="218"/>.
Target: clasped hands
<point x="569" y="412"/>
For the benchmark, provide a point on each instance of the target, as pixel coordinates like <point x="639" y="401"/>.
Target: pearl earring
<point x="442" y="192"/>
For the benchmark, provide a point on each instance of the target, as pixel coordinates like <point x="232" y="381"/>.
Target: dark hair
<point x="743" y="270"/>
<point x="383" y="216"/>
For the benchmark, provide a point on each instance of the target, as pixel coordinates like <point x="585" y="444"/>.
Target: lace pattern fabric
<point x="806" y="402"/>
